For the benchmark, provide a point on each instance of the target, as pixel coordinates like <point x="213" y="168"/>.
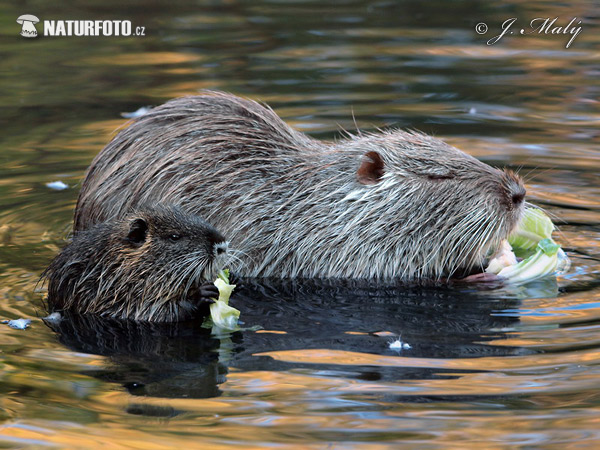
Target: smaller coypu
<point x="146" y="266"/>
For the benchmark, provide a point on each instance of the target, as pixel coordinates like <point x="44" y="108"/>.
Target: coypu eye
<point x="174" y="237"/>
<point x="440" y="177"/>
<point x="436" y="174"/>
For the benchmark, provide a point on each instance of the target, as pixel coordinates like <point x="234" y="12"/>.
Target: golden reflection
<point x="575" y="307"/>
<point x="142" y="59"/>
<point x="287" y="385"/>
<point x="385" y="334"/>
<point x="302" y="417"/>
<point x="573" y="199"/>
<point x="348" y="358"/>
<point x="104" y="127"/>
<point x="184" y="70"/>
<point x="180" y="89"/>
<point x="110" y="401"/>
<point x="67" y="358"/>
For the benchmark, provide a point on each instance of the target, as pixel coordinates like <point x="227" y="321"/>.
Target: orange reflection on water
<point x="345" y="358"/>
<point x="138" y="59"/>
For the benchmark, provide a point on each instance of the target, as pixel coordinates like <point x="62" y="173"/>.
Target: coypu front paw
<point x="208" y="293"/>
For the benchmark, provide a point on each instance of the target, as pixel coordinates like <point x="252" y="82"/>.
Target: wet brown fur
<point x="148" y="266"/>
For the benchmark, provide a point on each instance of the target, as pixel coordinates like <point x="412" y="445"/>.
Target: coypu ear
<point x="371" y="169"/>
<point x="137" y="231"/>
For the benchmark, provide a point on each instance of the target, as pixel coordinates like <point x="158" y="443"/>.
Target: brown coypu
<point x="148" y="266"/>
<point x="394" y="204"/>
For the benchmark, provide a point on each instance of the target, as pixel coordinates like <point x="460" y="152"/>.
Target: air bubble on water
<point x="57" y="185"/>
<point x="18" y="324"/>
<point x="398" y="345"/>
<point x="138" y="113"/>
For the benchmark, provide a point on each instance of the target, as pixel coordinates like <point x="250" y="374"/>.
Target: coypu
<point x="388" y="205"/>
<point x="146" y="266"/>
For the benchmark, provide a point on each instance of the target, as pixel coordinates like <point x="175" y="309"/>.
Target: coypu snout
<point x="514" y="190"/>
<point x="155" y="264"/>
<point x="221" y="247"/>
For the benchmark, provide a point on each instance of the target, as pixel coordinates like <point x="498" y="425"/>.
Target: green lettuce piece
<point x="543" y="262"/>
<point x="225" y="290"/>
<point x="532" y="240"/>
<point x="549" y="247"/>
<point x="222" y="315"/>
<point x="534" y="227"/>
<point x="224" y="275"/>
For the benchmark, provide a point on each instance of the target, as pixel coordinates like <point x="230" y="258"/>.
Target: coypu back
<point x="393" y="204"/>
<point x="146" y="266"/>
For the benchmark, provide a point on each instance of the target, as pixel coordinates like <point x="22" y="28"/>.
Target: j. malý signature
<point x="540" y="25"/>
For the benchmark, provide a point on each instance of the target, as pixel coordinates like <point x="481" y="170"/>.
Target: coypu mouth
<point x="478" y="272"/>
<point x="207" y="269"/>
<point x="492" y="229"/>
<point x="527" y="254"/>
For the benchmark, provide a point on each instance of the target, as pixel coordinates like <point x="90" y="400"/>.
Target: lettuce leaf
<point x="534" y="227"/>
<point x="533" y="240"/>
<point x="223" y="316"/>
<point x="542" y="263"/>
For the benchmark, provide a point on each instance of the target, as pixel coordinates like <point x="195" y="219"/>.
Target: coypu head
<point x="436" y="210"/>
<point x="147" y="266"/>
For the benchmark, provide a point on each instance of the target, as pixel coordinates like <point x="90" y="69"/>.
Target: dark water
<point x="512" y="367"/>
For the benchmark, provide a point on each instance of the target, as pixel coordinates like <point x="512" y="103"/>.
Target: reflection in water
<point x="156" y="359"/>
<point x="183" y="360"/>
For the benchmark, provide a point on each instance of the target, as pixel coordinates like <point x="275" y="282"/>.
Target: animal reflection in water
<point x="182" y="360"/>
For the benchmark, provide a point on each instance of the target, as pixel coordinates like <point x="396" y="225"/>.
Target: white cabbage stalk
<point x="533" y="238"/>
<point x="542" y="263"/>
<point x="224" y="316"/>
<point x="504" y="257"/>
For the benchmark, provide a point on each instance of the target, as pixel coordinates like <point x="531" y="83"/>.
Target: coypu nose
<point x="217" y="244"/>
<point x="515" y="190"/>
<point x="519" y="196"/>
<point x="221" y="247"/>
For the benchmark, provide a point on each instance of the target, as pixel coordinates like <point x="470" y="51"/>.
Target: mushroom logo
<point x="28" y="21"/>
